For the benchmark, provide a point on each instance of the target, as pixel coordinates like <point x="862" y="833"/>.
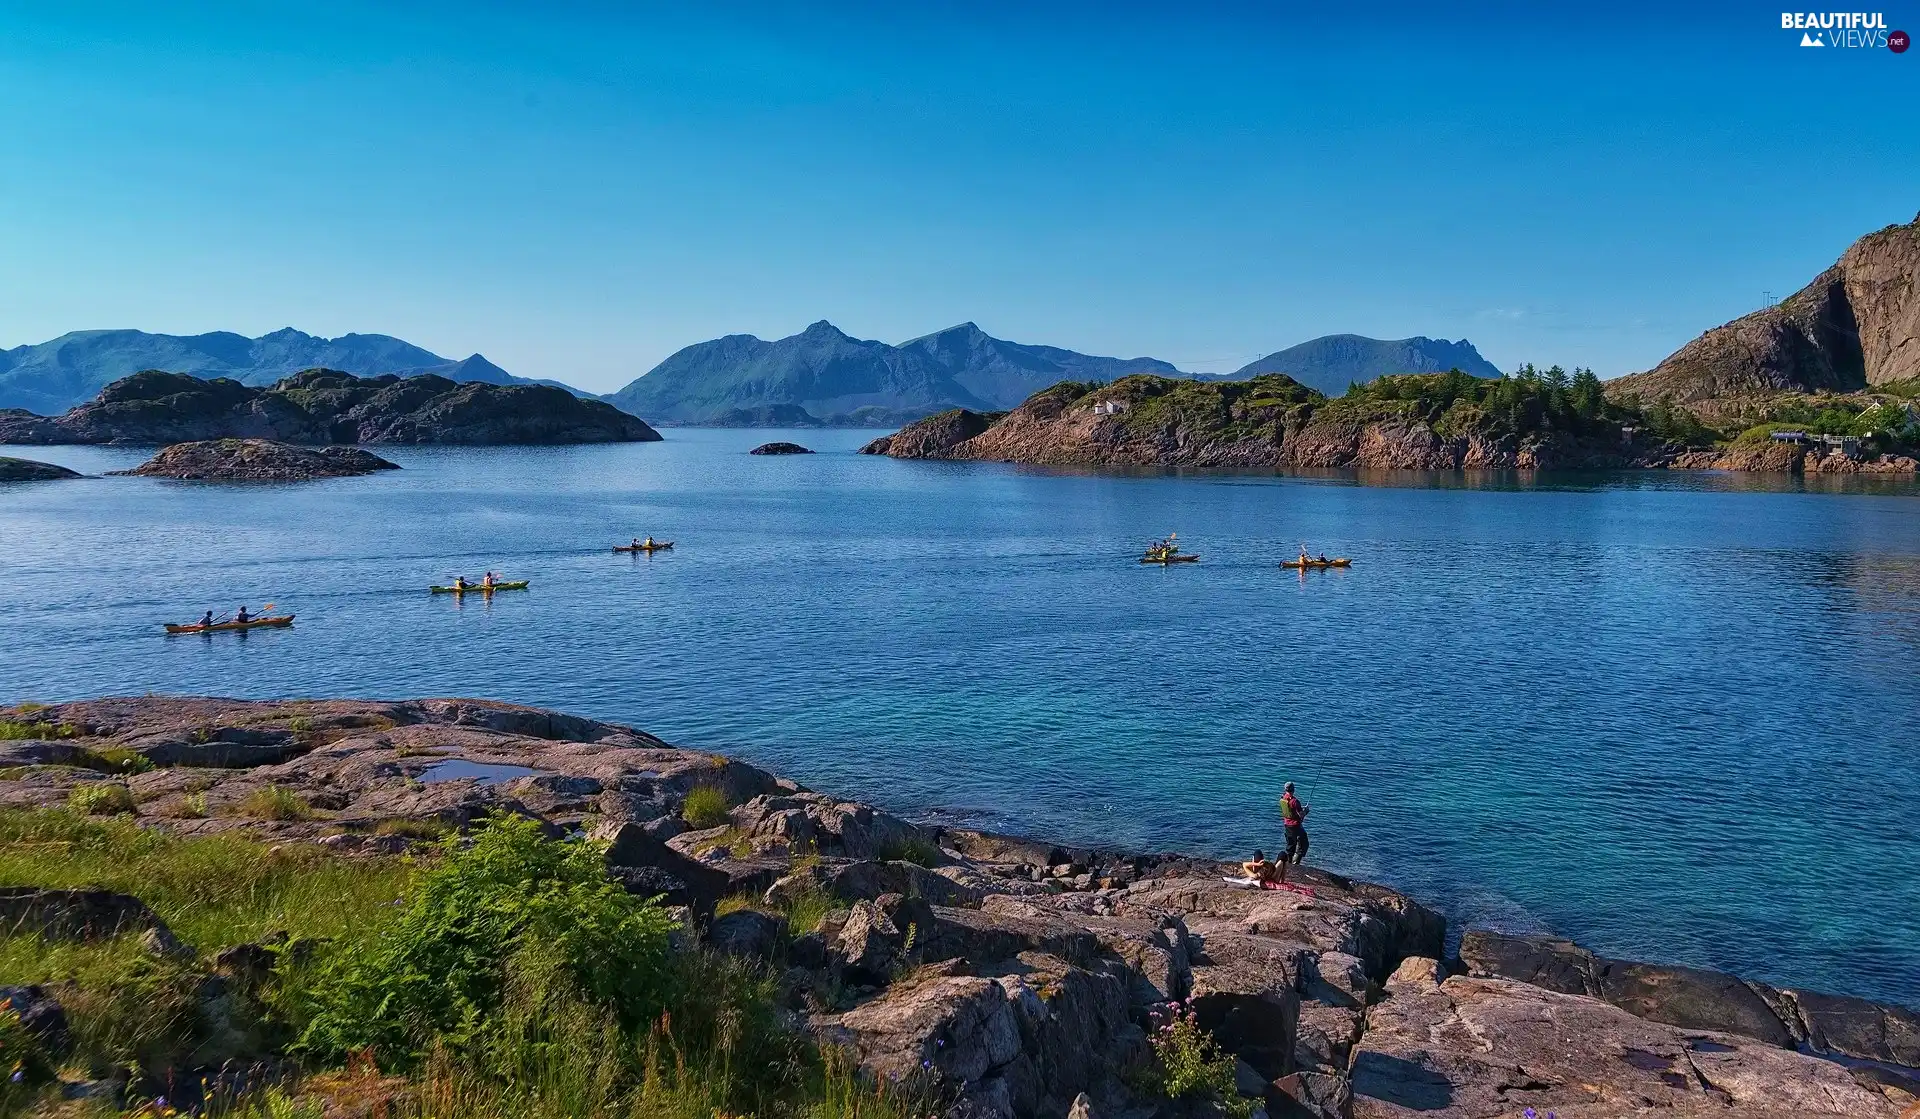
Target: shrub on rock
<point x="514" y="917"/>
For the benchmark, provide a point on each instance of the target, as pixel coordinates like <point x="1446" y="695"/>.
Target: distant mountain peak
<point x="53" y="376"/>
<point x="1332" y="362"/>
<point x="828" y="373"/>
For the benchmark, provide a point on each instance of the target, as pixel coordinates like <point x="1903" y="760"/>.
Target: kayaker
<point x="1304" y="559"/>
<point x="636" y="542"/>
<point x="241" y="615"/>
<point x="1293" y="813"/>
<point x="460" y="583"/>
<point x="486" y="581"/>
<point x="206" y="620"/>
<point x="649" y="543"/>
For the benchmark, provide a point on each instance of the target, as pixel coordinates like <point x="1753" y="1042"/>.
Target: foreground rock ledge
<point x="1014" y="975"/>
<point x="259" y="460"/>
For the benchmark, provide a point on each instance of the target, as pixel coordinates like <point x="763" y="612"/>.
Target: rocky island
<point x="258" y="460"/>
<point x="949" y="971"/>
<point x="28" y="470"/>
<point x="1828" y="381"/>
<point x="322" y="406"/>
<point x="779" y="448"/>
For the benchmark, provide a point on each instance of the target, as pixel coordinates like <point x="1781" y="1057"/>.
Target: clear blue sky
<point x="578" y="190"/>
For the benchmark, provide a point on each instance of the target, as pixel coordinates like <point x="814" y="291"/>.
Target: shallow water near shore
<point x="1674" y="717"/>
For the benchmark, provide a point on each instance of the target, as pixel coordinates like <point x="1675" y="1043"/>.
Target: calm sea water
<point x="1674" y="717"/>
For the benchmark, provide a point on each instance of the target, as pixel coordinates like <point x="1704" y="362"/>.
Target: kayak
<point x="1177" y="557"/>
<point x="1313" y="564"/>
<point x="475" y="588"/>
<point x="251" y="623"/>
<point x="661" y="547"/>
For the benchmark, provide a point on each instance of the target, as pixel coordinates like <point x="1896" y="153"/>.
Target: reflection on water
<point x="1670" y="715"/>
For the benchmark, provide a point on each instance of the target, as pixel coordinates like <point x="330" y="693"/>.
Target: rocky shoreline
<point x="1017" y="978"/>
<point x="1264" y="426"/>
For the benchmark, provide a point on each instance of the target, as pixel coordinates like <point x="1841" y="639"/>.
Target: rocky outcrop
<point x="1699" y="999"/>
<point x="1270" y="421"/>
<point x="1470" y="1048"/>
<point x="934" y="437"/>
<point x="258" y="460"/>
<point x="1857" y="324"/>
<point x="27" y="470"/>
<point x="1009" y="978"/>
<point x="779" y="449"/>
<point x="324" y="406"/>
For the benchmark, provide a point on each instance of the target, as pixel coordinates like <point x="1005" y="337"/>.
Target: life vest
<point x="1292" y="811"/>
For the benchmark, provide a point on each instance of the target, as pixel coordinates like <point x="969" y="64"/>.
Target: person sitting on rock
<point x="241" y="616"/>
<point x="1259" y="868"/>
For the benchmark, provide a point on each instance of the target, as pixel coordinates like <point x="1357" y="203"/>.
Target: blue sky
<point x="578" y="190"/>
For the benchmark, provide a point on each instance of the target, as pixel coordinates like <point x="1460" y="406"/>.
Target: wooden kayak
<point x="661" y="547"/>
<point x="280" y="620"/>
<point x="1177" y="557"/>
<point x="475" y="588"/>
<point x="1314" y="565"/>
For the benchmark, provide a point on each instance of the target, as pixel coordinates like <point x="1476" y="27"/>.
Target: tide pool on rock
<point x="1666" y="716"/>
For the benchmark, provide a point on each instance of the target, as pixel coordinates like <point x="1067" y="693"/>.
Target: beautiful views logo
<point x="1844" y="29"/>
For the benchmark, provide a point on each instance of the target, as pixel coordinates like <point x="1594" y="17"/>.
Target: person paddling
<point x="1293" y="813"/>
<point x="241" y="616"/>
<point x="206" y="620"/>
<point x="486" y="581"/>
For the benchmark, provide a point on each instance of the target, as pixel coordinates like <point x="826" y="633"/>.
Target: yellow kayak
<point x="250" y="623"/>
<point x="1314" y="564"/>
<point x="475" y="588"/>
<point x="657" y="546"/>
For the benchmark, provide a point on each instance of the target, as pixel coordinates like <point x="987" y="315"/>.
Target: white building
<point x="1109" y="407"/>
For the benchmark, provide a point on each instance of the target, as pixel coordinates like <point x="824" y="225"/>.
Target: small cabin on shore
<point x="1109" y="408"/>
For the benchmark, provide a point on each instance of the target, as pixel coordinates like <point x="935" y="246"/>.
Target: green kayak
<point x="475" y="588"/>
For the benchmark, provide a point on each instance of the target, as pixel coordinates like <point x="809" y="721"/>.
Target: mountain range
<point x="51" y="377"/>
<point x="1330" y="363"/>
<point x="832" y="375"/>
<point x="823" y="375"/>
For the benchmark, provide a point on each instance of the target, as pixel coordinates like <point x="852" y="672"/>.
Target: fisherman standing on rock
<point x="1293" y="813"/>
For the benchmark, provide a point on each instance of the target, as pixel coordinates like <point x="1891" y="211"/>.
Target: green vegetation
<point x="706" y="806"/>
<point x="1886" y="425"/>
<point x="910" y="849"/>
<point x="101" y="798"/>
<point x="20" y="729"/>
<point x="276" y="802"/>
<point x="1191" y="1066"/>
<point x="1530" y="402"/>
<point x="114" y="759"/>
<point x="512" y="978"/>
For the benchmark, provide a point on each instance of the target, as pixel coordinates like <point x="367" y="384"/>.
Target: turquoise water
<point x="1674" y="717"/>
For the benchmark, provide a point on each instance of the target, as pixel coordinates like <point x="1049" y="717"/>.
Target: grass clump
<point x="910" y="849"/>
<point x="101" y="798"/>
<point x="212" y="891"/>
<point x="115" y="759"/>
<point x="276" y="802"/>
<point x="706" y="806"/>
<point x="430" y="829"/>
<point x="17" y="730"/>
<point x="193" y="806"/>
